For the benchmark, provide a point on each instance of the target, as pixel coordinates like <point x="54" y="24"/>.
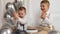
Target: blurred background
<point x="33" y="10"/>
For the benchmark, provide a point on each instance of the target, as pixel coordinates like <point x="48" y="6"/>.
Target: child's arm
<point x="22" y="21"/>
<point x="15" y="14"/>
<point x="49" y="18"/>
<point x="43" y="15"/>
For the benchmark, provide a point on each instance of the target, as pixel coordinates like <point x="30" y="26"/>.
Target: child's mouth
<point x="21" y="16"/>
<point x="42" y="9"/>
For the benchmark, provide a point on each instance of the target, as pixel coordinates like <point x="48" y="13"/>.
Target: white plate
<point x="32" y="31"/>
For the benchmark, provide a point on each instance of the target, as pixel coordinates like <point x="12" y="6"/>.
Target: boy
<point x="44" y="8"/>
<point x="21" y="19"/>
<point x="45" y="15"/>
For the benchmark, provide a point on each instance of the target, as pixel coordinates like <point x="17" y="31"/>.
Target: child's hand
<point x="43" y="16"/>
<point x="16" y="15"/>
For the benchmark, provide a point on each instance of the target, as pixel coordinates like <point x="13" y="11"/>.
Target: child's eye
<point x="43" y="6"/>
<point x="19" y="13"/>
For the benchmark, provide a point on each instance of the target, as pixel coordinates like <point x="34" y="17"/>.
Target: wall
<point x="57" y="14"/>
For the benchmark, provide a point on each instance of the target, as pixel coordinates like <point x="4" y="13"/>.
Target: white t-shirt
<point x="22" y="21"/>
<point x="48" y="19"/>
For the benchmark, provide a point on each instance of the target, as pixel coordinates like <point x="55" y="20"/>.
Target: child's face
<point x="22" y="13"/>
<point x="44" y="7"/>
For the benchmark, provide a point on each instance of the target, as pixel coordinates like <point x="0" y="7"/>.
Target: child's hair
<point x="45" y="1"/>
<point x="22" y="8"/>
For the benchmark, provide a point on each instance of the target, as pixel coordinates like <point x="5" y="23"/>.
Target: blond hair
<point x="45" y="1"/>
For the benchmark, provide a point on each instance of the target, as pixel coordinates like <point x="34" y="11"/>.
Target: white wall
<point x="57" y="14"/>
<point x="33" y="10"/>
